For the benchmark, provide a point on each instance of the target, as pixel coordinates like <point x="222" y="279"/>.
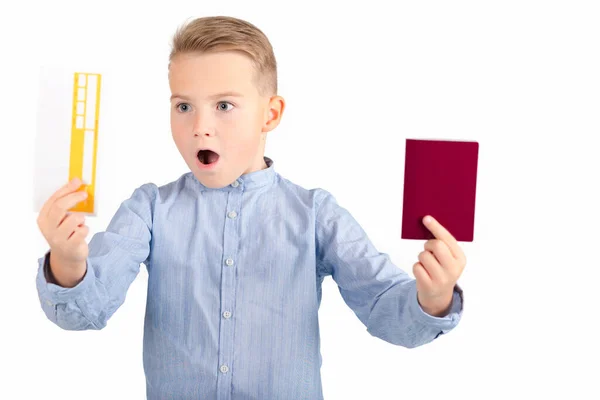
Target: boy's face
<point x="216" y="106"/>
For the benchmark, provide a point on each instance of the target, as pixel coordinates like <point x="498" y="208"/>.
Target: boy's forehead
<point x="213" y="73"/>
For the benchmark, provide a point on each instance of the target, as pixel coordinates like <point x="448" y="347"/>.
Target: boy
<point x="235" y="253"/>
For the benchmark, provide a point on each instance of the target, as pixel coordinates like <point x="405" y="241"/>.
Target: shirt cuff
<point x="55" y="294"/>
<point x="444" y="323"/>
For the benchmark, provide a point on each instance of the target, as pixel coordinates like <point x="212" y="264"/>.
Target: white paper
<point x="54" y="119"/>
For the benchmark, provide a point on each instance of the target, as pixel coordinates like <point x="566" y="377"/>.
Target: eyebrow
<point x="229" y="93"/>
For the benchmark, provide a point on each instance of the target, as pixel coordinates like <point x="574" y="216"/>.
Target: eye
<point x="223" y="105"/>
<point x="183" y="107"/>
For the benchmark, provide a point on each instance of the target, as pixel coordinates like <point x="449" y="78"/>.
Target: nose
<point x="205" y="133"/>
<point x="203" y="126"/>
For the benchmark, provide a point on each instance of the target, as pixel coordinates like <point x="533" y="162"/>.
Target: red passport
<point x="440" y="179"/>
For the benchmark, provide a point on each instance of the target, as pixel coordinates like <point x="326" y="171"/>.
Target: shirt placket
<point x="228" y="265"/>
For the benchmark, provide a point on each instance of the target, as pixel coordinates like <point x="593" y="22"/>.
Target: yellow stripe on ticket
<point x="84" y="135"/>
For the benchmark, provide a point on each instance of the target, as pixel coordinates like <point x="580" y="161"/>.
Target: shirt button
<point x="235" y="184"/>
<point x="229" y="262"/>
<point x="224" y="368"/>
<point x="227" y="314"/>
<point x="232" y="214"/>
<point x="48" y="302"/>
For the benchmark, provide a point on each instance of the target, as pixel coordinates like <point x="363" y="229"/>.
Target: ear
<point x="273" y="113"/>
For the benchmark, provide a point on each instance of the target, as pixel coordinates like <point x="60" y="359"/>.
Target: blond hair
<point x="221" y="33"/>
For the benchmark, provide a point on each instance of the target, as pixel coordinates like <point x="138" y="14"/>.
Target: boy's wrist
<point x="64" y="273"/>
<point x="438" y="307"/>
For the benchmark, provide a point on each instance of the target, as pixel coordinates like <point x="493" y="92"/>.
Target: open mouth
<point x="207" y="157"/>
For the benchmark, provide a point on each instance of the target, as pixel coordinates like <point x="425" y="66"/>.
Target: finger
<point x="441" y="251"/>
<point x="71" y="200"/>
<point x="69" y="225"/>
<point x="443" y="234"/>
<point x="64" y="217"/>
<point x="422" y="276"/>
<point x="69" y="187"/>
<point x="433" y="267"/>
<point x="80" y="233"/>
<point x="63" y="205"/>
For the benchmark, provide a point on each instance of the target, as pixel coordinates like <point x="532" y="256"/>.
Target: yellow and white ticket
<point x="68" y="128"/>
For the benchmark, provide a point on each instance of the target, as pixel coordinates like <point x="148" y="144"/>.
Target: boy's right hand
<point x="65" y="231"/>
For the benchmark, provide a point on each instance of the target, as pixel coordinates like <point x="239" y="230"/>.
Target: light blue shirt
<point x="234" y="286"/>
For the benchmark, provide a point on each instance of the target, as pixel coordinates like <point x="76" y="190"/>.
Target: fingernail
<point x="427" y="219"/>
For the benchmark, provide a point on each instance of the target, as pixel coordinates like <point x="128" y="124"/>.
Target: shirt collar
<point x="248" y="181"/>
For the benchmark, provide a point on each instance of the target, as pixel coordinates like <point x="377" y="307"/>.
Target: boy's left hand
<point x="439" y="267"/>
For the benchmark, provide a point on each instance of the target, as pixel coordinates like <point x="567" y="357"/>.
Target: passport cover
<point x="440" y="179"/>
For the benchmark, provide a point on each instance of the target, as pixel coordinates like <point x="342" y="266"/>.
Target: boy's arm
<point x="382" y="296"/>
<point x="113" y="263"/>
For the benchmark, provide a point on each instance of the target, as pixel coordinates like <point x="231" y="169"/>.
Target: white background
<point x="521" y="77"/>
